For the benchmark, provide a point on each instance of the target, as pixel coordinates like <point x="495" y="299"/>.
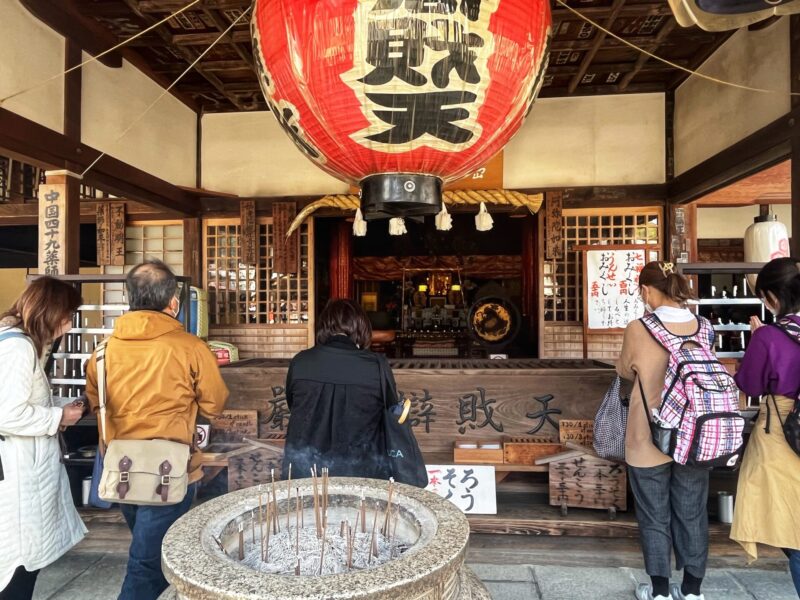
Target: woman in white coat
<point x="38" y="520"/>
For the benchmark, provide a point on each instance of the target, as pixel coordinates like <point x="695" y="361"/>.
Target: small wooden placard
<point x="486" y="177"/>
<point x="588" y="482"/>
<point x="553" y="240"/>
<point x="249" y="235"/>
<point x="234" y="426"/>
<point x="103" y="234"/>
<point x="286" y="251"/>
<point x="252" y="468"/>
<point x="117" y="233"/>
<point x="520" y="451"/>
<point x="53" y="226"/>
<point x="579" y="431"/>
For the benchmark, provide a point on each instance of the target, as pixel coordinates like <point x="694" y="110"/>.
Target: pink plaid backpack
<point x="700" y="401"/>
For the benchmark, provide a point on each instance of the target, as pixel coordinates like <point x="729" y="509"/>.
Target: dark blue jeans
<point x="144" y="579"/>
<point x="794" y="567"/>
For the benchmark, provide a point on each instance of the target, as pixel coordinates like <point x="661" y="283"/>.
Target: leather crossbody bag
<point x="143" y="472"/>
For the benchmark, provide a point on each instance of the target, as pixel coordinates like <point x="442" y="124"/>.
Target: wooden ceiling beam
<point x="168" y="6"/>
<point x="35" y="144"/>
<point x="603" y="90"/>
<point x="622" y="67"/>
<point x="597" y="43"/>
<point x="636" y="40"/>
<point x="665" y="30"/>
<point x="632" y="10"/>
<point x="28" y="213"/>
<point x="206" y="39"/>
<point x="222" y="25"/>
<point x="188" y="55"/>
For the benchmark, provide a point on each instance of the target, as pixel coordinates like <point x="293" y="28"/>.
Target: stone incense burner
<point x="423" y="558"/>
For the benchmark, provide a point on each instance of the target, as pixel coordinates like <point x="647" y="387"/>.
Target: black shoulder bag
<point x="402" y="453"/>
<point x="790" y="425"/>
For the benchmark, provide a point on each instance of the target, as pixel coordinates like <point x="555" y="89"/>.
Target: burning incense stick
<point x="363" y="514"/>
<point x="349" y="546"/>
<point x="385" y="528"/>
<point x="275" y="500"/>
<point x="341" y="529"/>
<point x="288" y="496"/>
<point x="269" y="528"/>
<point x="316" y="501"/>
<point x="241" y="541"/>
<point x="297" y="518"/>
<point x="297" y="567"/>
<point x="322" y="551"/>
<point x="261" y="520"/>
<point x="253" y="524"/>
<point x="394" y="534"/>
<point x="325" y="496"/>
<point x="372" y="537"/>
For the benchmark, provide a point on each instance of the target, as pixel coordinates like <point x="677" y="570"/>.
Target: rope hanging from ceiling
<point x="351" y="202"/>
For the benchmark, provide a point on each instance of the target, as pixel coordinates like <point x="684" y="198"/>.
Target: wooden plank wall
<point x="565" y="340"/>
<point x="263" y="341"/>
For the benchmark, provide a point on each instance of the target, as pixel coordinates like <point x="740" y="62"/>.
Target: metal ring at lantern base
<point x="400" y="195"/>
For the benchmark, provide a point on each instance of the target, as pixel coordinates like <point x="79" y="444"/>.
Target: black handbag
<point x="402" y="454"/>
<point x="790" y="425"/>
<point x="665" y="439"/>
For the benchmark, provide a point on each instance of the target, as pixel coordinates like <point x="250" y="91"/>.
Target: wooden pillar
<point x="341" y="260"/>
<point x="530" y="279"/>
<point x="59" y="224"/>
<point x="193" y="251"/>
<point x="794" y="52"/>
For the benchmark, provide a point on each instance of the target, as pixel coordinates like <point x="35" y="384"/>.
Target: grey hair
<point x="151" y="286"/>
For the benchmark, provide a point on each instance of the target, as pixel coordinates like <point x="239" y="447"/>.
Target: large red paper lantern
<point x="399" y="96"/>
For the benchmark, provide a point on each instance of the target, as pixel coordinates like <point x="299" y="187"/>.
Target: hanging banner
<point x="249" y="235"/>
<point x="117" y="229"/>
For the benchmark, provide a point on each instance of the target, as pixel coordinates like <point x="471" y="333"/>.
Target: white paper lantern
<point x="766" y="239"/>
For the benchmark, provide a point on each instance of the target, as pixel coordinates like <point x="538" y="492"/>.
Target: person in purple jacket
<point x="768" y="495"/>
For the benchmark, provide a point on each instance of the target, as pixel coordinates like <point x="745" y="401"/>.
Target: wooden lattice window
<point x="562" y="286"/>
<point x="240" y="294"/>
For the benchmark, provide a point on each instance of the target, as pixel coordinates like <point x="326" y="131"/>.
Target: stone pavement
<point x="98" y="576"/>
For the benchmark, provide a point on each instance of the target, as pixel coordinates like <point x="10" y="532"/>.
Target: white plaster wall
<point x="163" y="142"/>
<point x="31" y="52"/>
<point x="710" y="117"/>
<point x="593" y="140"/>
<point x="569" y="142"/>
<point x="249" y="154"/>
<point x="726" y="223"/>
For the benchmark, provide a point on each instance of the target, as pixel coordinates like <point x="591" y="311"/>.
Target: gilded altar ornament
<point x="400" y="97"/>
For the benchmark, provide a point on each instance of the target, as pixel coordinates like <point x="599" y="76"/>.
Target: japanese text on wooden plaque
<point x="103" y="234"/>
<point x="470" y="487"/>
<point x="554" y="230"/>
<point x="52" y="228"/>
<point x="253" y="468"/>
<point x="588" y="482"/>
<point x="286" y="251"/>
<point x="612" y="287"/>
<point x="234" y="426"/>
<point x="117" y="227"/>
<point x="249" y="236"/>
<point x="580" y="431"/>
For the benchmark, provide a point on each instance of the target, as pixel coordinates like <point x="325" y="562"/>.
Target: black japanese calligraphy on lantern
<point x="458" y="44"/>
<point x="474" y="406"/>
<point x="396" y="49"/>
<point x="542" y="415"/>
<point x="469" y="8"/>
<point x="413" y="115"/>
<point x="290" y="122"/>
<point x="279" y="417"/>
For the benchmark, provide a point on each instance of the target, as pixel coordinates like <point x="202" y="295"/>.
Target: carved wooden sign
<point x="578" y="431"/>
<point x="487" y="177"/>
<point x="253" y="468"/>
<point x="103" y="234"/>
<point x="554" y="229"/>
<point x="53" y="226"/>
<point x="588" y="482"/>
<point x="234" y="426"/>
<point x="286" y="251"/>
<point x="249" y="235"/>
<point x="451" y="405"/>
<point x="117" y="228"/>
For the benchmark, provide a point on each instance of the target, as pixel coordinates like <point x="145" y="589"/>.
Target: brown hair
<point x="42" y="308"/>
<point x="662" y="276"/>
<point x="342" y="316"/>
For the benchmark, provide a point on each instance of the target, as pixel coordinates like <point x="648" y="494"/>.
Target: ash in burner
<point x="265" y="545"/>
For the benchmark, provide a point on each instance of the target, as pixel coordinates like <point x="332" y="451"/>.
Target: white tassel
<point x="444" y="221"/>
<point x="397" y="226"/>
<point x="359" y="225"/>
<point x="483" y="220"/>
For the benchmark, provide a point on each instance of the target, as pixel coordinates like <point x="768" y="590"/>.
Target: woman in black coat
<point x="334" y="393"/>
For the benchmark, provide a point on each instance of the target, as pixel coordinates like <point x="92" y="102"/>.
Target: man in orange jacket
<point x="158" y="378"/>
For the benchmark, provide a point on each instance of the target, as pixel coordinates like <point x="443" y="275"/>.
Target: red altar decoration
<point x="427" y="89"/>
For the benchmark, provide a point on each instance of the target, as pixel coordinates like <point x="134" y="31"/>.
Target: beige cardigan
<point x="642" y="354"/>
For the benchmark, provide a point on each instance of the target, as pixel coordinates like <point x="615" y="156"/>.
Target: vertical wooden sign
<point x="286" y="251"/>
<point x="117" y="233"/>
<point x="249" y="235"/>
<point x="553" y="238"/>
<point x="103" y="234"/>
<point x="53" y="224"/>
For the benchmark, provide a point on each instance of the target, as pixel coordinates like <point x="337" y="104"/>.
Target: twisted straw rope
<point x="351" y="202"/>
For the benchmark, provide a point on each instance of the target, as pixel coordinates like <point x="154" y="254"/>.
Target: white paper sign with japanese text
<point x="470" y="487"/>
<point x="612" y="287"/>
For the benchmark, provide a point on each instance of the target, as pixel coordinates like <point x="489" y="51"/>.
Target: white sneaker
<point x="644" y="591"/>
<point x="675" y="588"/>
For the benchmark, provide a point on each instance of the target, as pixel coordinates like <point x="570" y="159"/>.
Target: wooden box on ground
<point x="588" y="482"/>
<point x="525" y="451"/>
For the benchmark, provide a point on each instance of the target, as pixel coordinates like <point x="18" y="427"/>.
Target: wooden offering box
<point x="525" y="451"/>
<point x="479" y="454"/>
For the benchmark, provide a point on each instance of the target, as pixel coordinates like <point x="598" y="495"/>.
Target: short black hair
<point x="781" y="277"/>
<point x="151" y="286"/>
<point x="342" y="316"/>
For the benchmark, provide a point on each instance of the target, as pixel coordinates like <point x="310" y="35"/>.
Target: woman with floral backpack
<point x="768" y="492"/>
<point x="670" y="498"/>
